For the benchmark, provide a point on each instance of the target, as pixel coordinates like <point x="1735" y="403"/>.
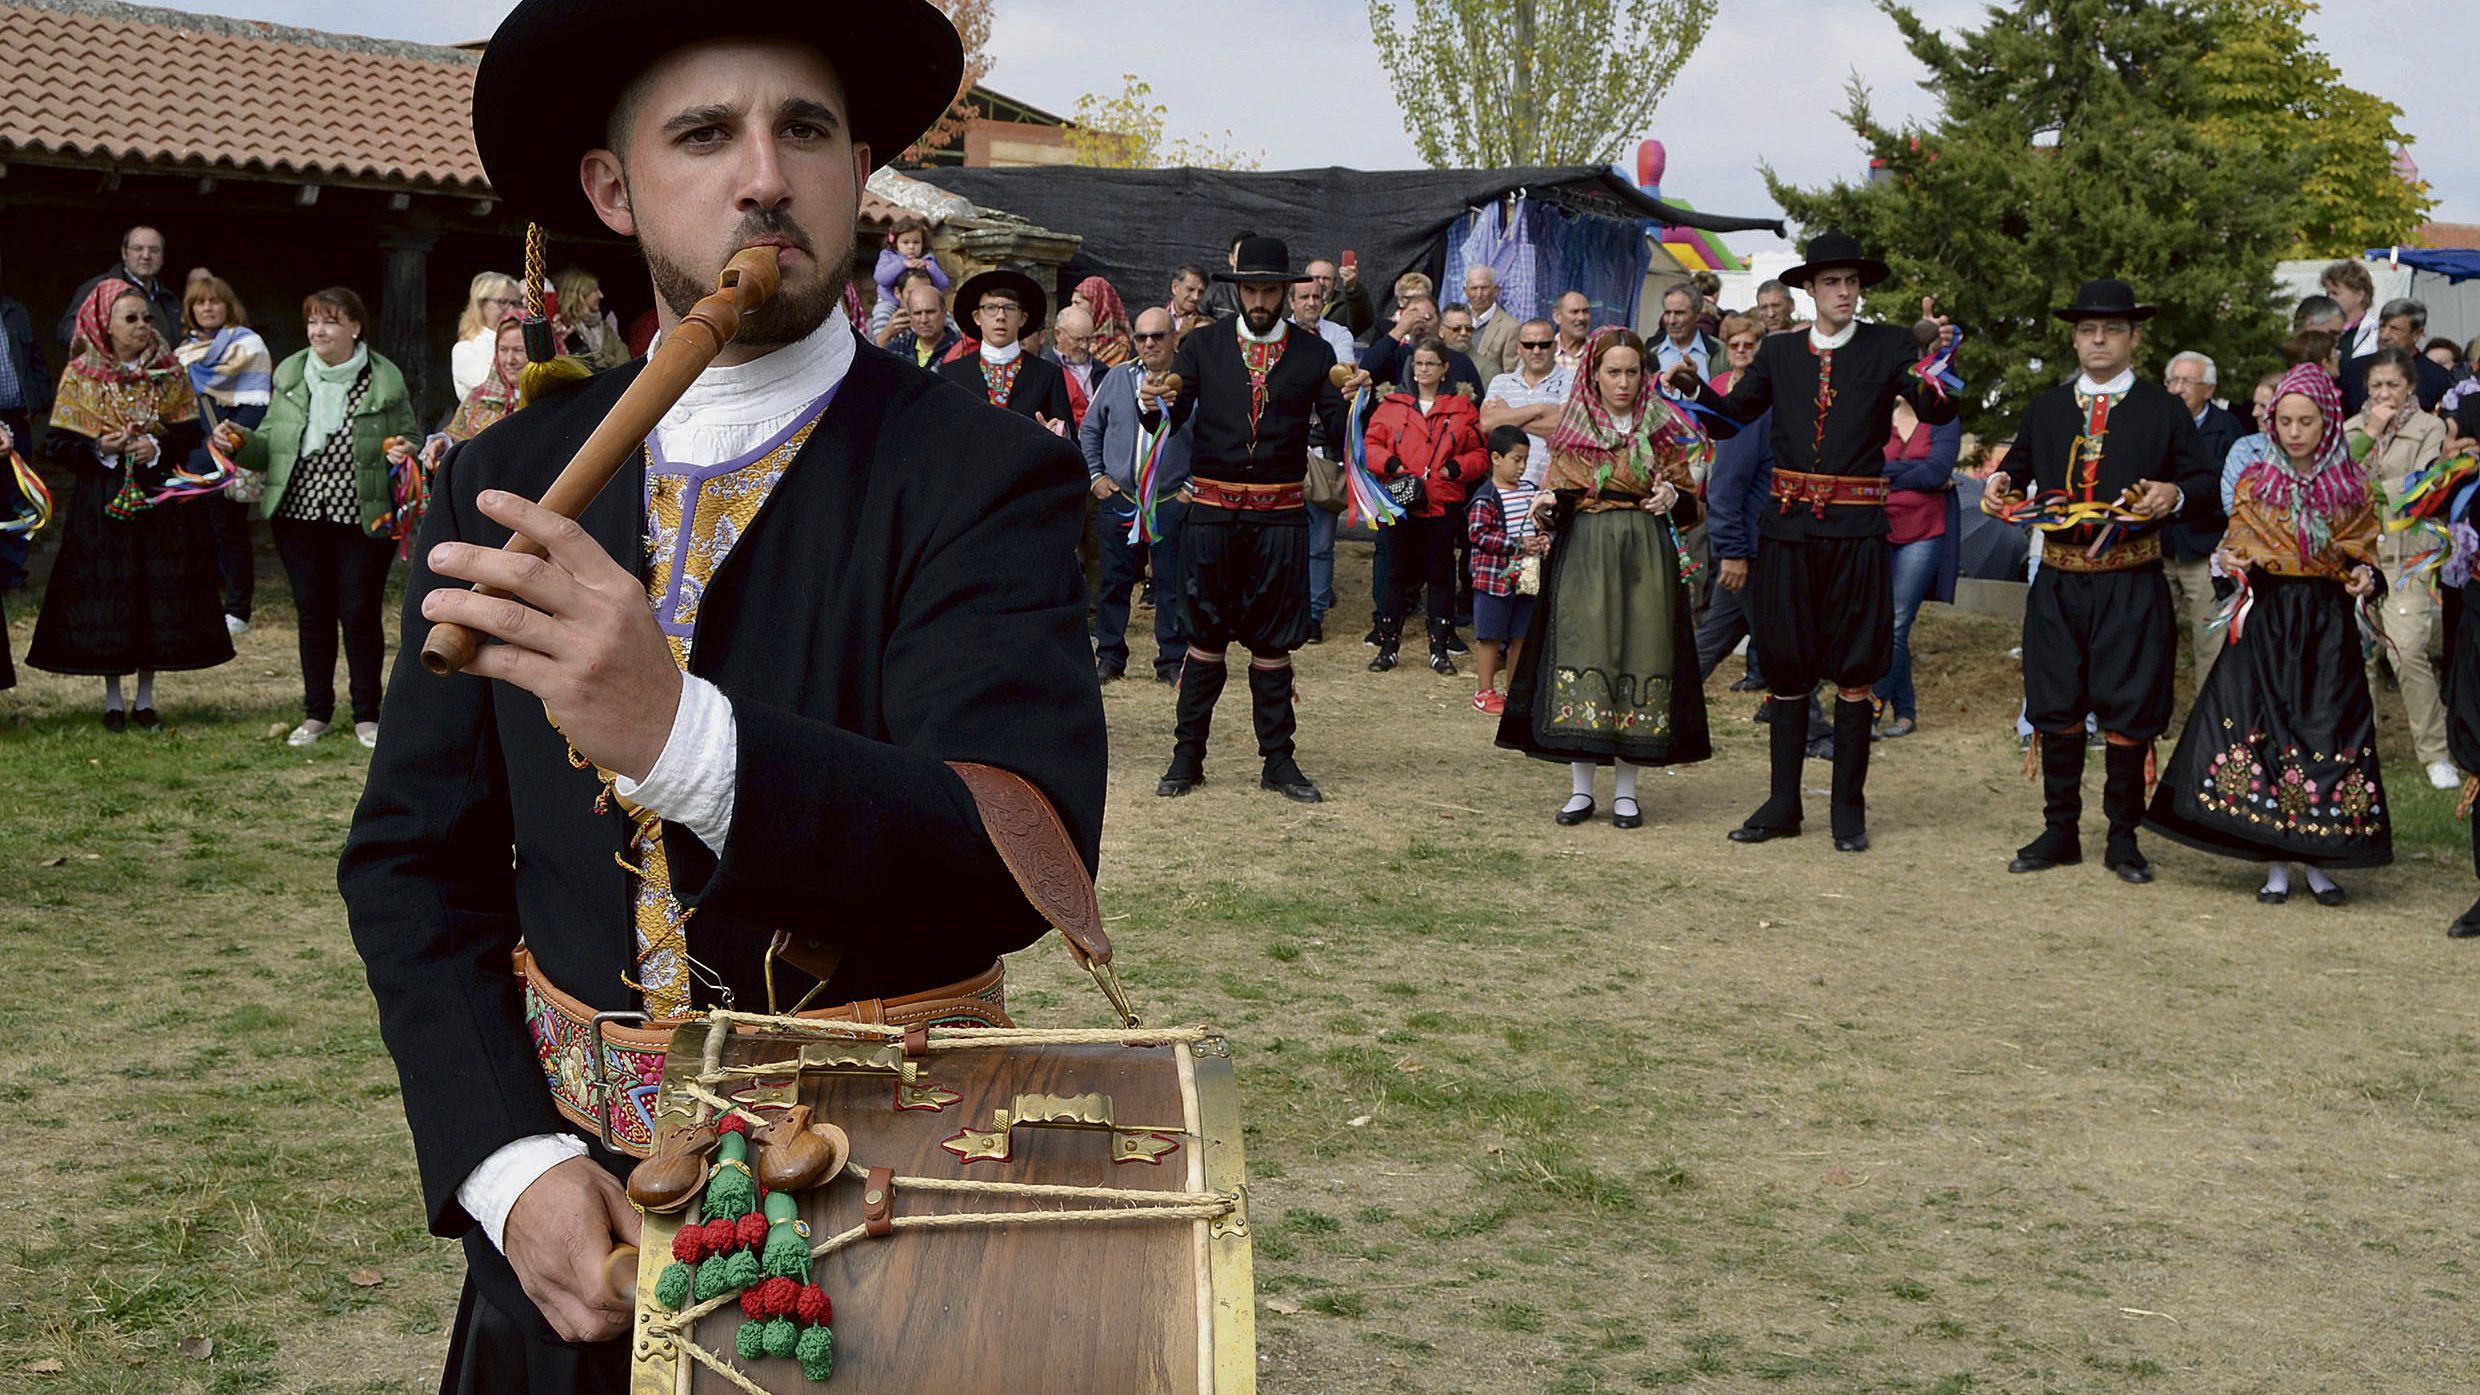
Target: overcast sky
<point x="1300" y="80"/>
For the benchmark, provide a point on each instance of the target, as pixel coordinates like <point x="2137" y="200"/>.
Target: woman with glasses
<point x="490" y="301"/>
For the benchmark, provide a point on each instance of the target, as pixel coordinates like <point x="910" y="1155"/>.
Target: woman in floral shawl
<point x="2278" y="762"/>
<point x="1609" y="672"/>
<point x="496" y="395"/>
<point x="135" y="587"/>
<point x="1111" y="343"/>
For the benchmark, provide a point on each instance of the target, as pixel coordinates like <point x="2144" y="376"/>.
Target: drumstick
<point x="620" y="1274"/>
<point x="748" y="281"/>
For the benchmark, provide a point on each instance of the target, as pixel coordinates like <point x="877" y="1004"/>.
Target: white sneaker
<point x="306" y="733"/>
<point x="367" y="733"/>
<point x="2444" y="776"/>
<point x="235" y="626"/>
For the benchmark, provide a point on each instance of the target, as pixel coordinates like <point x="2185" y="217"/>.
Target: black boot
<point x="1201" y="683"/>
<point x="2061" y="843"/>
<point x="1779" y="816"/>
<point x="1270" y="695"/>
<point x="1390" y="637"/>
<point x="1438" y="657"/>
<point x="2122" y="801"/>
<point x="2467" y="926"/>
<point x="1855" y="724"/>
<point x="1455" y="642"/>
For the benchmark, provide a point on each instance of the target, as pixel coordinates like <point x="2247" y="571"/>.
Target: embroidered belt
<point x="1822" y="491"/>
<point x="1248" y="498"/>
<point x="2141" y="550"/>
<point x="604" y="1075"/>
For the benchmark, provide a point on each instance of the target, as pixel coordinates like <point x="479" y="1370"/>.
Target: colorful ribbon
<point x="1366" y="500"/>
<point x="1936" y="371"/>
<point x="1142" y="528"/>
<point x="409" y="489"/>
<point x="37" y="509"/>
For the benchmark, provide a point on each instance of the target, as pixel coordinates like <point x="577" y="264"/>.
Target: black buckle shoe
<point x="1569" y="818"/>
<point x="1294" y="786"/>
<point x="115" y="719"/>
<point x="1626" y="820"/>
<point x="1753" y="833"/>
<point x="2040" y="855"/>
<point x="2330" y="896"/>
<point x="1856" y="843"/>
<point x="144" y="719"/>
<point x="1175" y="784"/>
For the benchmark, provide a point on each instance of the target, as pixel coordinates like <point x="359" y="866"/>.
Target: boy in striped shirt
<point x="1501" y="521"/>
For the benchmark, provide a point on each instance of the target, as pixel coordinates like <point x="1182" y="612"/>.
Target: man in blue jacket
<point x="1110" y="439"/>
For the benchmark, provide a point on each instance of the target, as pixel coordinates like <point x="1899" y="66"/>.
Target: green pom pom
<point x="816" y="1352"/>
<point x="750" y="1342"/>
<point x="787" y="1253"/>
<point x="711" y="1280"/>
<point x="730" y="1194"/>
<point x="781" y="1334"/>
<point x="740" y="1271"/>
<point x="673" y="1288"/>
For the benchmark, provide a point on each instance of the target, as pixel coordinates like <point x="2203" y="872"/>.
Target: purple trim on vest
<point x="694" y="478"/>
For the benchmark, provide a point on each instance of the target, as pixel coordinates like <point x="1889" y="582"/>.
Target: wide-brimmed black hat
<point x="1263" y="259"/>
<point x="2106" y="299"/>
<point x="1025" y="289"/>
<point x="553" y="71"/>
<point x="1831" y="248"/>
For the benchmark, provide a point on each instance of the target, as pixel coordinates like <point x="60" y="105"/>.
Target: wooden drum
<point x="994" y="1210"/>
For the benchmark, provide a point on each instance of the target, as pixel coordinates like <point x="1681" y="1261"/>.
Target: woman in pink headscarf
<point x="2278" y="763"/>
<point x="1111" y="343"/>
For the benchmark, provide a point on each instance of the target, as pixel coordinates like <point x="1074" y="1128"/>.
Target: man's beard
<point x="1260" y="322"/>
<point x="796" y="309"/>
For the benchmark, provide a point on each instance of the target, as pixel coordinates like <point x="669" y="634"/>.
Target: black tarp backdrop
<point x="1140" y="224"/>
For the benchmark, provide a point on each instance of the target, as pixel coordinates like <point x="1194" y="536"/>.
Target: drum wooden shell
<point x="1162" y="1306"/>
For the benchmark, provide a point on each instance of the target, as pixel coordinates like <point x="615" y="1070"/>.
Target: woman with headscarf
<point x="497" y="395"/>
<point x="134" y="589"/>
<point x="1112" y="344"/>
<point x="1609" y="673"/>
<point x="2278" y="763"/>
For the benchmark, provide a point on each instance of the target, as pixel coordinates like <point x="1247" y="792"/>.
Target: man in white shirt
<point x="1531" y="397"/>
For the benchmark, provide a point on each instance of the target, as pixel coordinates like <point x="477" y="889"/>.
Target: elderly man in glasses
<point x="1111" y="441"/>
<point x="1533" y="395"/>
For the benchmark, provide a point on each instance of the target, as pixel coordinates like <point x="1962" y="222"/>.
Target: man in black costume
<point x="1249" y="384"/>
<point x="858" y="575"/>
<point x="1820" y="594"/>
<point x="2100" y="631"/>
<point x="999" y="304"/>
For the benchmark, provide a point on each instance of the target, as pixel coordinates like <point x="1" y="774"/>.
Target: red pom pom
<point x="689" y="1245"/>
<point x="719" y="1237"/>
<point x="752" y="1307"/>
<point x="751" y="1232"/>
<point x="814" y="1307"/>
<point x="782" y="1295"/>
<point x="732" y="1123"/>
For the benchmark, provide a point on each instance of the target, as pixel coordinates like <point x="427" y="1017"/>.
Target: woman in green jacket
<point x="339" y="421"/>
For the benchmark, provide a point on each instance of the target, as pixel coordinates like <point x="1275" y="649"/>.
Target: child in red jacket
<point x="1425" y="445"/>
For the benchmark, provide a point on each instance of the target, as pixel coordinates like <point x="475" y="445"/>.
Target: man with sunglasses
<point x="1533" y="395"/>
<point x="1111" y="439"/>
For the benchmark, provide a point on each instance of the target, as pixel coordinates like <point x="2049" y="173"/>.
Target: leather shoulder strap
<point x="1035" y="845"/>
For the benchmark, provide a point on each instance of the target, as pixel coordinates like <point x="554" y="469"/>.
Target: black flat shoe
<point x="2133" y="873"/>
<point x="144" y="719"/>
<point x="2466" y="928"/>
<point x="1633" y="817"/>
<point x="1856" y="843"/>
<point x="1750" y="833"/>
<point x="2331" y="896"/>
<point x="1167" y="675"/>
<point x="1746" y="685"/>
<point x="2271" y="898"/>
<point x="1317" y="632"/>
<point x="1107" y="672"/>
<point x="2028" y="862"/>
<point x="1569" y="818"/>
<point x="1173" y="786"/>
<point x="1298" y="790"/>
<point x="115" y="720"/>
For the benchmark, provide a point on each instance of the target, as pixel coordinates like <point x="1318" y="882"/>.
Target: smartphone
<point x="1350" y="257"/>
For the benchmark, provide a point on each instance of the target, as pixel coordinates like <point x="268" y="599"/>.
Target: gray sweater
<point x="1109" y="436"/>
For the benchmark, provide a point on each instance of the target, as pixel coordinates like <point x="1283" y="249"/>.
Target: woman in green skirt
<point x="1609" y="673"/>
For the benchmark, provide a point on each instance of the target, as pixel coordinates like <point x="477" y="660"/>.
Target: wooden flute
<point x="748" y="281"/>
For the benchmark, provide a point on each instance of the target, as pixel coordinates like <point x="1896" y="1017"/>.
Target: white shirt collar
<point x="1281" y="328"/>
<point x="1482" y="318"/>
<point x="2126" y="379"/>
<point x="771" y="385"/>
<point x="1837" y="340"/>
<point x="1002" y="357"/>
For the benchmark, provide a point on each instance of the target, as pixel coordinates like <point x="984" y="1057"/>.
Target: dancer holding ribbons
<point x="1249" y="384"/>
<point x="1821" y="592"/>
<point x="1136" y="473"/>
<point x="2109" y="461"/>
<point x="750" y="703"/>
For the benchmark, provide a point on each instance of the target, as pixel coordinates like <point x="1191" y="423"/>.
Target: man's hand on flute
<point x="583" y="638"/>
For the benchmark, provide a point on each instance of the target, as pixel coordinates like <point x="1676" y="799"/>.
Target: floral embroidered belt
<point x="2126" y="555"/>
<point x="1820" y="492"/>
<point x="604" y="1068"/>
<point x="1250" y="498"/>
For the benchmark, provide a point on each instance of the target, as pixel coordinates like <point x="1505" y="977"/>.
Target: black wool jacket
<point x="1041" y="385"/>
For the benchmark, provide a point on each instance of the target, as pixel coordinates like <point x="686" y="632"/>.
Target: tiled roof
<point x="2463" y="235"/>
<point x="102" y="82"/>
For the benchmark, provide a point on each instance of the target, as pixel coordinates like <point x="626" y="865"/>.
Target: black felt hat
<point x="1261" y="260"/>
<point x="2106" y="299"/>
<point x="1832" y="248"/>
<point x="552" y="73"/>
<point x="1028" y="293"/>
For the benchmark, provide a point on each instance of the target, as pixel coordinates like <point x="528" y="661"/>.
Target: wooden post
<point x="404" y="315"/>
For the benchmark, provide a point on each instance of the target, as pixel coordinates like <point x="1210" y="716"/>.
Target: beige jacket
<point x="2415" y="439"/>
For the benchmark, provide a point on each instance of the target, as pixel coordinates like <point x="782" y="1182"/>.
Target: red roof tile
<point x="105" y="83"/>
<point x="2463" y="235"/>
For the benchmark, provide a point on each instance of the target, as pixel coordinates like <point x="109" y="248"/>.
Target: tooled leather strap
<point x="1034" y="844"/>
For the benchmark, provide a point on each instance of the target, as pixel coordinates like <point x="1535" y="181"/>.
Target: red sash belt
<point x="1819" y="491"/>
<point x="1260" y="498"/>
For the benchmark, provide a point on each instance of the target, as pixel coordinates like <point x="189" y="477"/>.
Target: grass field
<point x="1531" y="1109"/>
